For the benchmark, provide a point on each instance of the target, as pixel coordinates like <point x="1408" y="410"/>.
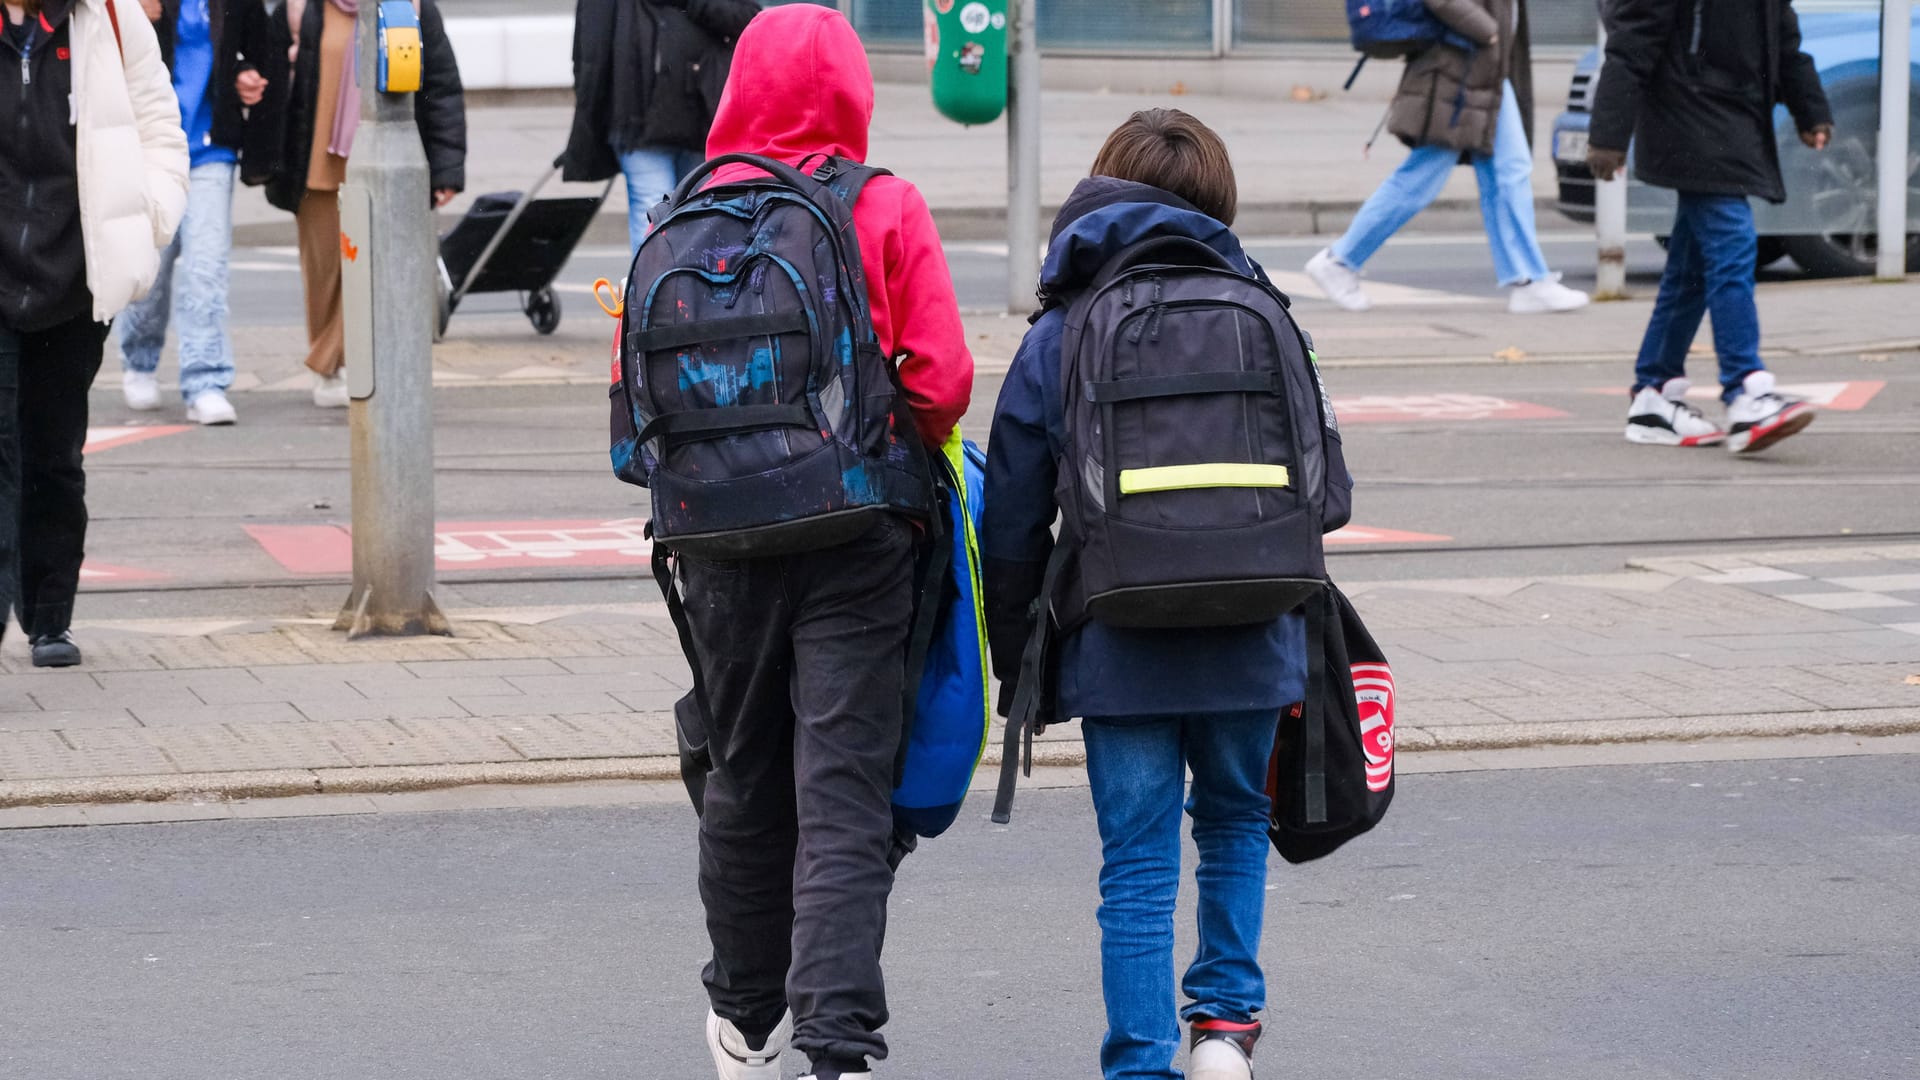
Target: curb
<point x="281" y="783"/>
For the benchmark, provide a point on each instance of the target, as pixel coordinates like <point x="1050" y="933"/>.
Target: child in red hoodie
<point x="803" y="655"/>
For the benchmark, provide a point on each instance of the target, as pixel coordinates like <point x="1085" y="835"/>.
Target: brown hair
<point x="1175" y="152"/>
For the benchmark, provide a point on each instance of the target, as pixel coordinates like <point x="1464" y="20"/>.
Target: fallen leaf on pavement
<point x="1913" y="680"/>
<point x="1511" y="354"/>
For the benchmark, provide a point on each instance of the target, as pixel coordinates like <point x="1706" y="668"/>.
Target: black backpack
<point x="751" y="396"/>
<point x="1331" y="778"/>
<point x="1194" y="486"/>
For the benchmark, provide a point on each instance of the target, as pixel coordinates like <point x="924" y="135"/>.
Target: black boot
<point x="56" y="650"/>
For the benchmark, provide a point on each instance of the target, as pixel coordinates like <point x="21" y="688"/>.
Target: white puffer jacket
<point x="130" y="151"/>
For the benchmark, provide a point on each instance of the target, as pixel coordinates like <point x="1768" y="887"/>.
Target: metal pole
<point x="1896" y="28"/>
<point x="1023" y="159"/>
<point x="1609" y="216"/>
<point x="388" y="255"/>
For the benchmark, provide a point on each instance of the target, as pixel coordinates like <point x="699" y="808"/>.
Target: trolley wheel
<point x="543" y="310"/>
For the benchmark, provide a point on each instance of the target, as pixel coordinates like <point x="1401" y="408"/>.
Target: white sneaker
<point x="211" y="409"/>
<point x="330" y="392"/>
<point x="1545" y="297"/>
<point x="1661" y="416"/>
<point x="733" y="1059"/>
<point x="1221" y="1050"/>
<point x="844" y="1076"/>
<point x="1340" y="282"/>
<point x="141" y="389"/>
<point x="1758" y="418"/>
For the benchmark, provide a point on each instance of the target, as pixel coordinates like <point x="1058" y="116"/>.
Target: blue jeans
<point x="1138" y="768"/>
<point x="1506" y="199"/>
<point x="652" y="173"/>
<point x="192" y="286"/>
<point x="1710" y="264"/>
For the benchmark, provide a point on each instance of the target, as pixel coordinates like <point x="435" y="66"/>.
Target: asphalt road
<point x="1750" y="920"/>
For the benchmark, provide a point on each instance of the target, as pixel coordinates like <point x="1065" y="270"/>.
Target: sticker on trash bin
<point x="472" y="545"/>
<point x="975" y="18"/>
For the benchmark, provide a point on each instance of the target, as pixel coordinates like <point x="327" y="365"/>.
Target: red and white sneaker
<point x="1661" y="416"/>
<point x="1221" y="1050"/>
<point x="1758" y="418"/>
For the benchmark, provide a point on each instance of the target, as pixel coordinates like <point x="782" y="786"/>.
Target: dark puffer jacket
<point x="647" y="74"/>
<point x="439" y="108"/>
<point x="1450" y="96"/>
<point x="1693" y="84"/>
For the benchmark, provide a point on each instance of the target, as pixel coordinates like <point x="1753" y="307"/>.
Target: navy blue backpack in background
<point x="1391" y="29"/>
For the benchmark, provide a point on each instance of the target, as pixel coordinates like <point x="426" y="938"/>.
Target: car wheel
<point x="1843" y="198"/>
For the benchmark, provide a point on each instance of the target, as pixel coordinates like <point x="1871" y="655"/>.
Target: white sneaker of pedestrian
<point x="141" y="389"/>
<point x="1218" y="1059"/>
<point x="1340" y="282"/>
<point x="845" y="1076"/>
<point x="330" y="392"/>
<point x="1661" y="416"/>
<point x="1545" y="297"/>
<point x="733" y="1059"/>
<point x="1758" y="418"/>
<point x="211" y="409"/>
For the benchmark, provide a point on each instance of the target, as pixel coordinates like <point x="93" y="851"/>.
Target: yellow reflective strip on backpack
<point x="1224" y="474"/>
<point x="956" y="454"/>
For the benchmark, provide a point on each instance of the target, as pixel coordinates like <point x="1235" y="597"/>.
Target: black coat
<point x="439" y="108"/>
<point x="647" y="74"/>
<point x="255" y="37"/>
<point x="229" y="120"/>
<point x="1693" y="83"/>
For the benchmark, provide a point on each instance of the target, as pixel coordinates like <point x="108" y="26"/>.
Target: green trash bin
<point x="967" y="52"/>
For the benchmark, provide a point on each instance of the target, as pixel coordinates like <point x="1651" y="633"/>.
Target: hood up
<point x="800" y="85"/>
<point x="1105" y="216"/>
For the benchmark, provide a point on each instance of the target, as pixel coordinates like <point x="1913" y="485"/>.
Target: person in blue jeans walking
<point x="647" y="77"/>
<point x="1156" y="703"/>
<point x="1460" y="103"/>
<point x="192" y="286"/>
<point x="1694" y="89"/>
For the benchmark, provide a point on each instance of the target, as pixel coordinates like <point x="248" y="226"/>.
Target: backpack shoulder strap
<point x="113" y="16"/>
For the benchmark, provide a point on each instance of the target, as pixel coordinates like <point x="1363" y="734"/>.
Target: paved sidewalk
<point x="1674" y="650"/>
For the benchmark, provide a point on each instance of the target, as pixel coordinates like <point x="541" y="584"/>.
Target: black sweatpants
<point x="44" y="377"/>
<point x="804" y="659"/>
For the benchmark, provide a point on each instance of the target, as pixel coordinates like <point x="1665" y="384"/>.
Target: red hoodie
<point x="801" y="86"/>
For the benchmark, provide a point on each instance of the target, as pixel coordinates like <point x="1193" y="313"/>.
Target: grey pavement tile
<point x="361" y="708"/>
<point x="1865" y="567"/>
<point x="1881" y="635"/>
<point x="1905" y="628"/>
<point x="606" y="665"/>
<point x="1517" y="649"/>
<point x="43" y="817"/>
<point x="262" y="693"/>
<point x="77" y="719"/>
<point x="1792" y="586"/>
<point x="1622" y="664"/>
<point x="259" y="712"/>
<point x="29" y="754"/>
<point x="101" y="752"/>
<point x="309" y="672"/>
<point x="133" y="683"/>
<point x="639" y="681"/>
<point x="243" y="748"/>
<point x="663" y="649"/>
<point x="1848" y="600"/>
<point x="651" y="700"/>
<point x="1791" y="679"/>
<point x="1873" y="654"/>
<point x="1725" y="702"/>
<point x="1562" y="683"/>
<point x="459" y="740"/>
<point x="153" y="813"/>
<point x="1880" y="582"/>
<point x="1446" y="686"/>
<point x="510" y="650"/>
<point x="467" y="669"/>
<point x="412" y="686"/>
<point x="15" y="695"/>
<point x="303" y="806"/>
<point x="1777" y="642"/>
<point x="382" y="742"/>
<point x="550" y="739"/>
<point x="1444" y="714"/>
<point x="84" y="693"/>
<point x="1862" y="696"/>
<point x="540" y="704"/>
<point x="1733" y="659"/>
<point x="1556" y="708"/>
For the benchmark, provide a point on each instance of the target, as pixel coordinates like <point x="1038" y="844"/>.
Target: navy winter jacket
<point x="1104" y="671"/>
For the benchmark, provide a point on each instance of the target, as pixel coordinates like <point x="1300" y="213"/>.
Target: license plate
<point x="1570" y="146"/>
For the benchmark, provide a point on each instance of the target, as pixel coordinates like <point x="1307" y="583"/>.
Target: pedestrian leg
<point x="56" y="368"/>
<point x="205" y="244"/>
<point x="1229" y="755"/>
<point x="651" y="173"/>
<point x="142" y="327"/>
<point x="850" y="627"/>
<point x="1137" y="772"/>
<point x="1506" y="198"/>
<point x="1412" y="187"/>
<point x="1729" y="250"/>
<point x="739" y="616"/>
<point x="319" y="231"/>
<point x="1677" y="310"/>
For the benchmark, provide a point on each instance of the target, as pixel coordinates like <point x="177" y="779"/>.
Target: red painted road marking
<point x="1361" y="534"/>
<point x="1388" y="408"/>
<point x="1837" y="396"/>
<point x="94" y="573"/>
<point x="472" y="545"/>
<point x="106" y="438"/>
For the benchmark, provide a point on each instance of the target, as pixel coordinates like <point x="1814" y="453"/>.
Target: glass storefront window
<point x="1300" y="22"/>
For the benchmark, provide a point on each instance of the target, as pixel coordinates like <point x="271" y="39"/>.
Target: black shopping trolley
<point x="515" y="242"/>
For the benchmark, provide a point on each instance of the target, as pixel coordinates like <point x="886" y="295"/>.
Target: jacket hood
<point x="800" y="85"/>
<point x="1105" y="216"/>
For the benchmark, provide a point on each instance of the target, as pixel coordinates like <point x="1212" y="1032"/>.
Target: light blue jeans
<point x="1506" y="199"/>
<point x="1138" y="768"/>
<point x="192" y="287"/>
<point x="652" y="173"/>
